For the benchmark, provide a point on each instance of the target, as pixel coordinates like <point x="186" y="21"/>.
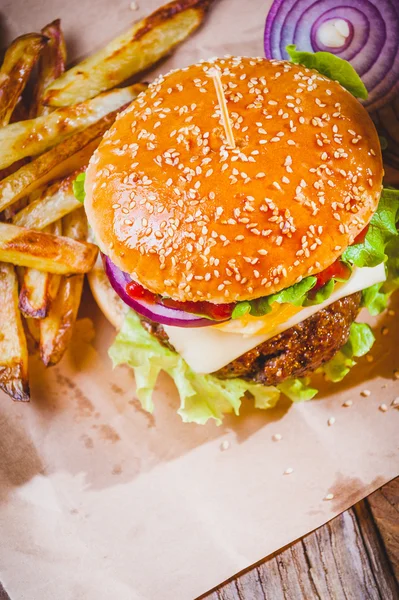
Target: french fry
<point x="19" y="60"/>
<point x="35" y="136"/>
<point x="13" y="347"/>
<point x="56" y="329"/>
<point x="45" y="252"/>
<point x="55" y="202"/>
<point x="61" y="160"/>
<point x="139" y="48"/>
<point x="39" y="288"/>
<point x="51" y="65"/>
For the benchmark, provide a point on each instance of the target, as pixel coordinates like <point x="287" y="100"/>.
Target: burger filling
<point x="296" y="352"/>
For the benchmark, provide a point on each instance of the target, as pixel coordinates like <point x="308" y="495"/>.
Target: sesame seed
<point x="395" y="402"/>
<point x="277" y="437"/>
<point x="383" y="407"/>
<point x="385" y="331"/>
<point x="347" y="403"/>
<point x="369" y="358"/>
<point x="365" y="393"/>
<point x="331" y="421"/>
<point x="225" y="445"/>
<point x="329" y="497"/>
<point x="288" y="471"/>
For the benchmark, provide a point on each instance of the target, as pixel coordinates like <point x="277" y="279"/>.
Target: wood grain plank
<point x="377" y="556"/>
<point x="384" y="506"/>
<point x="269" y="580"/>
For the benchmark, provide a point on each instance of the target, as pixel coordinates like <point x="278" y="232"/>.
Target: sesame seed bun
<point x="191" y="219"/>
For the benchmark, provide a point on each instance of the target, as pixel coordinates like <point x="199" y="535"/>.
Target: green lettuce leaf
<point x="78" y="187"/>
<point x="360" y="341"/>
<point x="322" y="294"/>
<point x="382" y="229"/>
<point x="297" y="390"/>
<point x="375" y="298"/>
<point x="295" y="294"/>
<point x="202" y="397"/>
<point x="332" y="67"/>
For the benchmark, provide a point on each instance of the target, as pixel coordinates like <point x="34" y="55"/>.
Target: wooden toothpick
<point x="217" y="80"/>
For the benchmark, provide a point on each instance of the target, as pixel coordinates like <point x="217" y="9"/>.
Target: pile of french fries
<point x="49" y="128"/>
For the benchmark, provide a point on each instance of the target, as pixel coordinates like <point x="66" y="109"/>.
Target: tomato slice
<point x="338" y="270"/>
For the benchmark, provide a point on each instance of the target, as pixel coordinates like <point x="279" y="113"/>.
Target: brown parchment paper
<point x="100" y="500"/>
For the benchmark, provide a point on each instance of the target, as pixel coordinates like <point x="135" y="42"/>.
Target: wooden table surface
<point x="353" y="557"/>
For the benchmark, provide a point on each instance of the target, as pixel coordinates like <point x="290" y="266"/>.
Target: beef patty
<point x="296" y="352"/>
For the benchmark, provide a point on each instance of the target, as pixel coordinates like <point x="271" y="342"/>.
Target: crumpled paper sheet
<point x="100" y="500"/>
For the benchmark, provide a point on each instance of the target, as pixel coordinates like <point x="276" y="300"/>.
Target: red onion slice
<point x="370" y="41"/>
<point x="155" y="312"/>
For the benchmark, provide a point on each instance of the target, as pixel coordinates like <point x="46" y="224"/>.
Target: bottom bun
<point x="113" y="308"/>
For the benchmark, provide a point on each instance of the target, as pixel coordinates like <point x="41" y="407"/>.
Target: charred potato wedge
<point x="61" y="160"/>
<point x="19" y="60"/>
<point x="56" y="201"/>
<point x="35" y="136"/>
<point x="51" y="65"/>
<point x="39" y="288"/>
<point x="45" y="252"/>
<point x="13" y="347"/>
<point x="57" y="328"/>
<point x="137" y="49"/>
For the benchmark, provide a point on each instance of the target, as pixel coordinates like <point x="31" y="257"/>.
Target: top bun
<point x="191" y="219"/>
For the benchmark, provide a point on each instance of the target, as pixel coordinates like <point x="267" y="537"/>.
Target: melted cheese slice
<point x="208" y="349"/>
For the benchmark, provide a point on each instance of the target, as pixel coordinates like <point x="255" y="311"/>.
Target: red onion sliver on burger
<point x="153" y="311"/>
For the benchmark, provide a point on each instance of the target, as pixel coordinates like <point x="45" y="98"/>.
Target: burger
<point x="239" y="209"/>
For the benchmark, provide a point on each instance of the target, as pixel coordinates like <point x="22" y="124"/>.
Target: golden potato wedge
<point x="19" y="60"/>
<point x="55" y="202"/>
<point x="13" y="347"/>
<point x="57" y="328"/>
<point x="39" y="288"/>
<point x="45" y="252"/>
<point x="35" y="136"/>
<point x="51" y="65"/>
<point x="61" y="160"/>
<point x="132" y="52"/>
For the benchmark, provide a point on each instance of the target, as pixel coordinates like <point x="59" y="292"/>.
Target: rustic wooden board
<point x="354" y="557"/>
